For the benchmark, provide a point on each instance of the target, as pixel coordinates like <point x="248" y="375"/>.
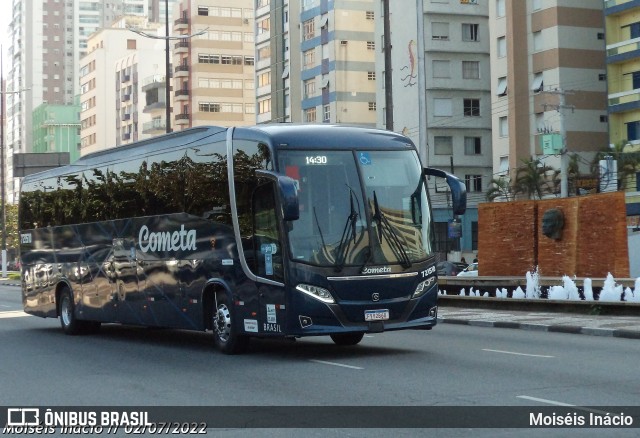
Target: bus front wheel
<point x="347" y="338"/>
<point x="225" y="335"/>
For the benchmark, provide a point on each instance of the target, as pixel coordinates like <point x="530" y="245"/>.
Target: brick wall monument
<point x="593" y="242"/>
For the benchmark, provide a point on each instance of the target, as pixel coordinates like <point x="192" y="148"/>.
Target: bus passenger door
<point x="268" y="260"/>
<point x="125" y="281"/>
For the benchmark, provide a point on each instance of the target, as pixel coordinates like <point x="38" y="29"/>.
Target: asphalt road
<point x="449" y="366"/>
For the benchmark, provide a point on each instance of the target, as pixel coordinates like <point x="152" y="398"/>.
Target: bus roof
<point x="281" y="135"/>
<point x="323" y="136"/>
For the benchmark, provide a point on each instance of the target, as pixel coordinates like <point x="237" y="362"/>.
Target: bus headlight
<point x="423" y="286"/>
<point x="319" y="293"/>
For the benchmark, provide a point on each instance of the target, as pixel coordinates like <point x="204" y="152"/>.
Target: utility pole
<point x="564" y="156"/>
<point x="388" y="83"/>
<point x="167" y="63"/>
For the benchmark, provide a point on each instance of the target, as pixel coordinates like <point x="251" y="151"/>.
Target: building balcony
<point x="126" y="78"/>
<point x="181" y="71"/>
<point x="181" y="95"/>
<point x="625" y="101"/>
<point x="623" y="51"/>
<point x="618" y="6"/>
<point x="154" y="127"/>
<point x="181" y="47"/>
<point x="126" y="97"/>
<point x="126" y="116"/>
<point x="181" y="24"/>
<point x="126" y="136"/>
<point x="183" y="118"/>
<point x="153" y="107"/>
<point x="151" y="82"/>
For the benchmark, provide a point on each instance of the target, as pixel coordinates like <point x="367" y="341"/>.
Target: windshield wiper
<point x="348" y="233"/>
<point x="387" y="230"/>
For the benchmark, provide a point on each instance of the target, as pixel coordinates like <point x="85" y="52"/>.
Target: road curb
<point x="572" y="329"/>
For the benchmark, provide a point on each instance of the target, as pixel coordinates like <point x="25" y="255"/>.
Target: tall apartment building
<point x="316" y="61"/>
<point x="47" y="41"/>
<point x="445" y="107"/>
<point x="622" y="22"/>
<point x="112" y="76"/>
<point x="213" y="77"/>
<point x="278" y="61"/>
<point x="548" y="76"/>
<point x="57" y="129"/>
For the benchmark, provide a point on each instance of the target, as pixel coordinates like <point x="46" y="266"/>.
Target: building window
<point x="310" y="115"/>
<point x="309" y="30"/>
<point x="371" y="75"/>
<point x="602" y="76"/>
<point x="537" y="5"/>
<point x="470" y="69"/>
<point x="372" y="106"/>
<point x="538" y="83"/>
<point x="500" y="8"/>
<point x="309" y="88"/>
<point x="441" y="69"/>
<point x="264" y="79"/>
<point x="469" y="32"/>
<point x="604" y="119"/>
<point x="442" y="108"/>
<point x="471" y="107"/>
<point x="443" y="145"/>
<point x="264" y="106"/>
<point x="326" y="113"/>
<point x="439" y="31"/>
<point x="504" y="165"/>
<point x="473" y="183"/>
<point x="502" y="86"/>
<point x="371" y="45"/>
<point x="537" y="41"/>
<point x="502" y="47"/>
<point x="503" y="126"/>
<point x="310" y="58"/>
<point x="264" y="25"/>
<point x="203" y="10"/>
<point x="472" y="145"/>
<point x="633" y="131"/>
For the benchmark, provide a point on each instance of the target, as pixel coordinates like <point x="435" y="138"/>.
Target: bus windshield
<point x="358" y="208"/>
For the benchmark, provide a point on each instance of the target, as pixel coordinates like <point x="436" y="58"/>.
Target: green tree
<point x="500" y="188"/>
<point x="11" y="214"/>
<point x="532" y="179"/>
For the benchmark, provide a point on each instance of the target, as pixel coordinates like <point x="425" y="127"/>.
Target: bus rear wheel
<point x="347" y="338"/>
<point x="70" y="325"/>
<point x="225" y="335"/>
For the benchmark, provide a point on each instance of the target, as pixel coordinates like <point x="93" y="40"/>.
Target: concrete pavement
<point x="547" y="321"/>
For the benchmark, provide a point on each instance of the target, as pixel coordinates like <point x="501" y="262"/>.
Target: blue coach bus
<point x="272" y="230"/>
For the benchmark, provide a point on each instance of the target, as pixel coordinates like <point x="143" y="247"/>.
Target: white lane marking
<point x="12" y="314"/>
<point x="336" y="364"/>
<point x="369" y="336"/>
<point x="515" y="353"/>
<point x="4" y="305"/>
<point x="557" y="403"/>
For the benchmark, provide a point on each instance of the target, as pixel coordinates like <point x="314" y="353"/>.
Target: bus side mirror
<point x="458" y="189"/>
<point x="287" y="192"/>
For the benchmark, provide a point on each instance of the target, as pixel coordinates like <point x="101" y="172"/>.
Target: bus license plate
<point x="376" y="315"/>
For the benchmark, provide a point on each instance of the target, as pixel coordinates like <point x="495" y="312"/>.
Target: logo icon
<point x="23" y="417"/>
<point x="375" y="296"/>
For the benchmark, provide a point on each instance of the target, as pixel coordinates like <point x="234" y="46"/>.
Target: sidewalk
<point x="594" y="325"/>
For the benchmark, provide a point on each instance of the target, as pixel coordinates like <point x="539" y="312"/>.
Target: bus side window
<point x="266" y="238"/>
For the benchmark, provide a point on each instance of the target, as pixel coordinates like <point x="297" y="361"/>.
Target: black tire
<point x="225" y="334"/>
<point x="70" y="325"/>
<point x="347" y="338"/>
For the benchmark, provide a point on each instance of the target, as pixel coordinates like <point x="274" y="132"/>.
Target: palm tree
<point x="532" y="180"/>
<point x="500" y="188"/>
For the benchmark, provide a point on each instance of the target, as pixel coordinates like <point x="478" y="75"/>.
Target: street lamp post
<point x="3" y="213"/>
<point x="166" y="39"/>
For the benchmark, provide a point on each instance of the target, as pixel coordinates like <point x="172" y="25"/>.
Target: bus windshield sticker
<point x="271" y="314"/>
<point x="227" y="262"/>
<point x="364" y="158"/>
<point x="251" y="325"/>
<point x="268" y="264"/>
<point x="269" y="248"/>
